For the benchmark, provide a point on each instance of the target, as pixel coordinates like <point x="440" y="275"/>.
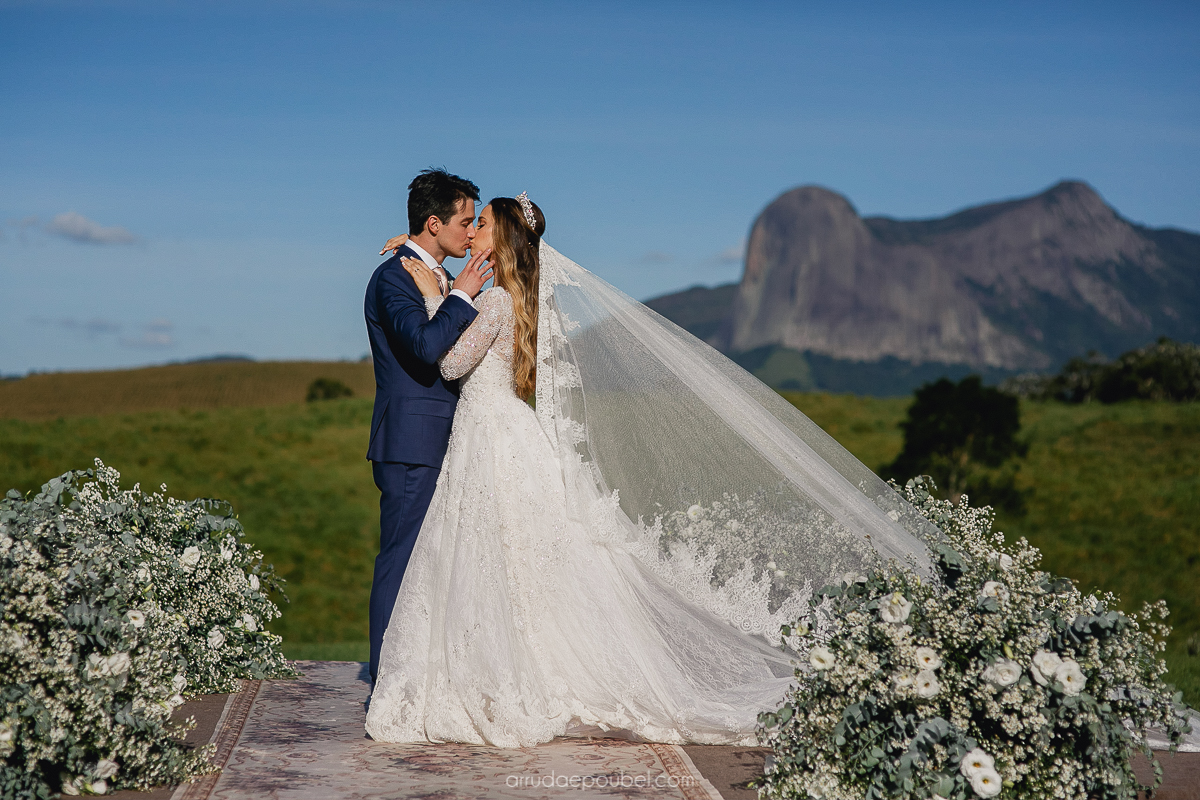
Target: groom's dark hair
<point x="436" y="193"/>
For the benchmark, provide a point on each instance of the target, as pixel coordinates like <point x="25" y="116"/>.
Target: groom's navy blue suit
<point x="410" y="427"/>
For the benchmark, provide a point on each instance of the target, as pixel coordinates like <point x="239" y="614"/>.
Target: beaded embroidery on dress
<point x="515" y="623"/>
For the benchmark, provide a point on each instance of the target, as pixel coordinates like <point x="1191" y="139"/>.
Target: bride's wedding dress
<point x="621" y="559"/>
<point x="512" y="626"/>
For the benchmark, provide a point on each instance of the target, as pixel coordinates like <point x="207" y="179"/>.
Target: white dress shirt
<point x="437" y="268"/>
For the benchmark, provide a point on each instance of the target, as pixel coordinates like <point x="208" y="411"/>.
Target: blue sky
<point x="182" y="179"/>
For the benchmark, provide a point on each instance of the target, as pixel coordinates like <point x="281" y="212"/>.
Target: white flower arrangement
<point x="109" y="601"/>
<point x="989" y="678"/>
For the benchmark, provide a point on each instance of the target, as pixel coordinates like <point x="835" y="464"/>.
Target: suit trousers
<point x="405" y="493"/>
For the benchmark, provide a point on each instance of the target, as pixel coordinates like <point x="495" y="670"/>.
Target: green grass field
<point x="1114" y="491"/>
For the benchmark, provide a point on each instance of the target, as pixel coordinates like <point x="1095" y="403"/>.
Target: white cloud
<point x="155" y="334"/>
<point x="732" y="255"/>
<point x="79" y="228"/>
<point x="90" y="328"/>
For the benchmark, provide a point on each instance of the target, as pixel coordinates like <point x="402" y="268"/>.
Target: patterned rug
<point x="299" y="739"/>
<point x="304" y="739"/>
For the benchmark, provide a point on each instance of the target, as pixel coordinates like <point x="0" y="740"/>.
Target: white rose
<point x="851" y="578"/>
<point x="178" y="683"/>
<point x="136" y="618"/>
<point x="927" y="658"/>
<point x="226" y="551"/>
<point x="1071" y="677"/>
<point x="254" y="582"/>
<point x="976" y="762"/>
<point x="1003" y="673"/>
<point x="927" y="684"/>
<point x="904" y="680"/>
<point x="97" y="666"/>
<point x="96" y="787"/>
<point x="1045" y="664"/>
<point x="6" y="732"/>
<point x="190" y="558"/>
<point x="772" y="565"/>
<point x="216" y="639"/>
<point x="117" y="664"/>
<point x="249" y="623"/>
<point x="1005" y="561"/>
<point x="995" y="589"/>
<point x="174" y="701"/>
<point x="106" y="768"/>
<point x="821" y="658"/>
<point x="143" y="574"/>
<point x="70" y="786"/>
<point x="895" y="608"/>
<point x="695" y="512"/>
<point x="986" y="783"/>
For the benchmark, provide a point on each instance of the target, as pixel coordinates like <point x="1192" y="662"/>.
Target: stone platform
<point x="304" y="739"/>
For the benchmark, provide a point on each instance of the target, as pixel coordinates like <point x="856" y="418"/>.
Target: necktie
<point x="441" y="276"/>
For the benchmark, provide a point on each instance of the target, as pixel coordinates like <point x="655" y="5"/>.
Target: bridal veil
<point x="673" y="452"/>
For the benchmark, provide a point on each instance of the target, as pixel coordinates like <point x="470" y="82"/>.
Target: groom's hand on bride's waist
<point x="475" y="274"/>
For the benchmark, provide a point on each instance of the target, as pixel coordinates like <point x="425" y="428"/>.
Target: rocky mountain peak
<point x="1018" y="284"/>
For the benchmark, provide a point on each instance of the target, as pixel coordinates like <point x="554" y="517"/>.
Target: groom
<point x="414" y="406"/>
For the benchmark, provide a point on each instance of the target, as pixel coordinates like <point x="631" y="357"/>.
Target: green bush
<point x="327" y="389"/>
<point x="1165" y="370"/>
<point x="114" y="604"/>
<point x="986" y="678"/>
<point x="963" y="435"/>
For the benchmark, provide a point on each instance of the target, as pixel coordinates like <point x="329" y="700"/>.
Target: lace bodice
<point x="491" y="334"/>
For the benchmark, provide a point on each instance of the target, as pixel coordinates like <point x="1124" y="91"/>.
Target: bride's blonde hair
<point x="515" y="246"/>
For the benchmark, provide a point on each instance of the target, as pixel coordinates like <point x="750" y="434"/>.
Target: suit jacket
<point x="414" y="406"/>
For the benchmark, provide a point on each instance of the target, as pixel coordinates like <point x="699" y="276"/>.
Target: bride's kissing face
<point x="483" y="230"/>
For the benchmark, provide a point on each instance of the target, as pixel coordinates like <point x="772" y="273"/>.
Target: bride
<point x="623" y="521"/>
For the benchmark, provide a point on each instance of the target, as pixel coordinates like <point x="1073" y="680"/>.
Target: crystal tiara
<point x="527" y="209"/>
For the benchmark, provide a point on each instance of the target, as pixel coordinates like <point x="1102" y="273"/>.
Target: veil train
<point x="718" y="484"/>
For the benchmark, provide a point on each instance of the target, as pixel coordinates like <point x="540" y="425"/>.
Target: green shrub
<point x="327" y="389"/>
<point x="963" y="435"/>
<point x="988" y="677"/>
<point x="1165" y="370"/>
<point x="114" y="604"/>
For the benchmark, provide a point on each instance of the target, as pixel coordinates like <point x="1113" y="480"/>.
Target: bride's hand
<point x="394" y="243"/>
<point x="423" y="276"/>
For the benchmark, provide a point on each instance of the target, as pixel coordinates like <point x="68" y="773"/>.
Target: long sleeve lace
<point x="495" y="319"/>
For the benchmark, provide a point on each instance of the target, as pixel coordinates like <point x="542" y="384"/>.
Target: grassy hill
<point x="1114" y="490"/>
<point x="226" y="384"/>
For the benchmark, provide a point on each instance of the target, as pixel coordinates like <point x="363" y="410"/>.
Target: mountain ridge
<point x="1014" y="285"/>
